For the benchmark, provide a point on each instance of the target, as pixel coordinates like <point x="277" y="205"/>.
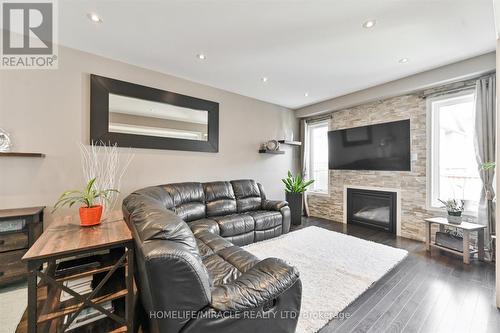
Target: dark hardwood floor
<point x="424" y="293"/>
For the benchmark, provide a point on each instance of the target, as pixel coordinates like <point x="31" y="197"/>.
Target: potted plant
<point x="488" y="165"/>
<point x="454" y="210"/>
<point x="295" y="188"/>
<point x="90" y="211"/>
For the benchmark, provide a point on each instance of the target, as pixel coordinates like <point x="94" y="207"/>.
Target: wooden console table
<point x="63" y="241"/>
<point x="466" y="228"/>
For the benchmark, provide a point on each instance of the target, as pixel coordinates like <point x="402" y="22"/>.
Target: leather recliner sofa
<point x="196" y="279"/>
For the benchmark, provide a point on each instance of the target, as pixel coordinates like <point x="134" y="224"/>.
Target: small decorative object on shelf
<point x="272" y="145"/>
<point x="91" y="210"/>
<point x="5" y="144"/>
<point x="454" y="210"/>
<point x="295" y="188"/>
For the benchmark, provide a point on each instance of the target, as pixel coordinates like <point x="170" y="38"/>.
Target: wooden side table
<point x="63" y="241"/>
<point x="466" y="228"/>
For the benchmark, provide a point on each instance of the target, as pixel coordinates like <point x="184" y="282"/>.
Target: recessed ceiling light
<point x="369" y="24"/>
<point x="306" y="94"/>
<point x="94" y="17"/>
<point x="403" y="60"/>
<point x="264" y="79"/>
<point x="201" y="56"/>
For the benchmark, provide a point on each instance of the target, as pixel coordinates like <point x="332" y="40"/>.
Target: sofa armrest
<point x="273" y="204"/>
<point x="264" y="282"/>
<point x="285" y="212"/>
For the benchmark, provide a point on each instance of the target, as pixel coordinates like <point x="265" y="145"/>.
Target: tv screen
<point x="375" y="147"/>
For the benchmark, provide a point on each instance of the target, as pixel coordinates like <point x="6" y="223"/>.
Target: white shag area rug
<point x="334" y="269"/>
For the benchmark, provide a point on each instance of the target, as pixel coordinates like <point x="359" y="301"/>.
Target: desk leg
<point x="466" y="251"/>
<point x="480" y="244"/>
<point x="129" y="312"/>
<point x="32" y="296"/>
<point x="428" y="237"/>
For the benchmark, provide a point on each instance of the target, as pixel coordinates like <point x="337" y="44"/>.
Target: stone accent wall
<point x="412" y="184"/>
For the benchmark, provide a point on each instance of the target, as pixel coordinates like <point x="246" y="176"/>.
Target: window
<point x="318" y="156"/>
<point x="454" y="170"/>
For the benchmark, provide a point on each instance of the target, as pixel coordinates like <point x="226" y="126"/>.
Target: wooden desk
<point x="466" y="228"/>
<point x="65" y="238"/>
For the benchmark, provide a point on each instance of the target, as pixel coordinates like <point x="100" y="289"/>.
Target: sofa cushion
<point x="204" y="225"/>
<point x="220" y="199"/>
<point x="261" y="235"/>
<point x="265" y="219"/>
<point x="236" y="224"/>
<point x="241" y="240"/>
<point x="248" y="196"/>
<point x="190" y="211"/>
<point x="188" y="200"/>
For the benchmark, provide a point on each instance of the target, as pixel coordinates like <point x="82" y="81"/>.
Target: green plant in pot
<point x="488" y="165"/>
<point x="454" y="209"/>
<point x="89" y="198"/>
<point x="295" y="186"/>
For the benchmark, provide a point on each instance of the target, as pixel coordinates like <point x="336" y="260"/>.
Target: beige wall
<point x="48" y="111"/>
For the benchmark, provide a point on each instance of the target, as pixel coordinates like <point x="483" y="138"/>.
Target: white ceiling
<point x="313" y="46"/>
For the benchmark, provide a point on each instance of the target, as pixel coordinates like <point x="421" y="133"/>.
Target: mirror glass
<point x="130" y="115"/>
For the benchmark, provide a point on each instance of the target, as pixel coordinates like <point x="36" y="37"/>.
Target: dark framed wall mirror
<point x="132" y="115"/>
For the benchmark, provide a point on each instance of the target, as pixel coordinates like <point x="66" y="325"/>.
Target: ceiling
<point x="315" y="47"/>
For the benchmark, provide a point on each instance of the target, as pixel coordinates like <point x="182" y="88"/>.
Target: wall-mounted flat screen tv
<point x="375" y="147"/>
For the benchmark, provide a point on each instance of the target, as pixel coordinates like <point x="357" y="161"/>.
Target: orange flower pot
<point x="90" y="216"/>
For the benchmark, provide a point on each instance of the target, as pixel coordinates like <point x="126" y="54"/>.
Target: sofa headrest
<point x="218" y="190"/>
<point x="185" y="192"/>
<point x="248" y="196"/>
<point x="245" y="188"/>
<point x="188" y="200"/>
<point x="153" y="221"/>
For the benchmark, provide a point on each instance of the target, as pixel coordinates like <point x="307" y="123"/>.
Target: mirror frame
<point x="101" y="87"/>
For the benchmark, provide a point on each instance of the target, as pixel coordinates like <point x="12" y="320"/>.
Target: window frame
<point x="309" y="154"/>
<point x="432" y="168"/>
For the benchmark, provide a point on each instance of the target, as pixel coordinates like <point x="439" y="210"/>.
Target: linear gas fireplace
<point x="370" y="208"/>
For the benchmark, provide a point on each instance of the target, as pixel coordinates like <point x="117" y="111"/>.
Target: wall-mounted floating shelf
<point x="265" y="151"/>
<point x="16" y="154"/>
<point x="291" y="143"/>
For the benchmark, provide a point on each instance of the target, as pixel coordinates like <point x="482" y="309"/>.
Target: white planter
<point x="454" y="219"/>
